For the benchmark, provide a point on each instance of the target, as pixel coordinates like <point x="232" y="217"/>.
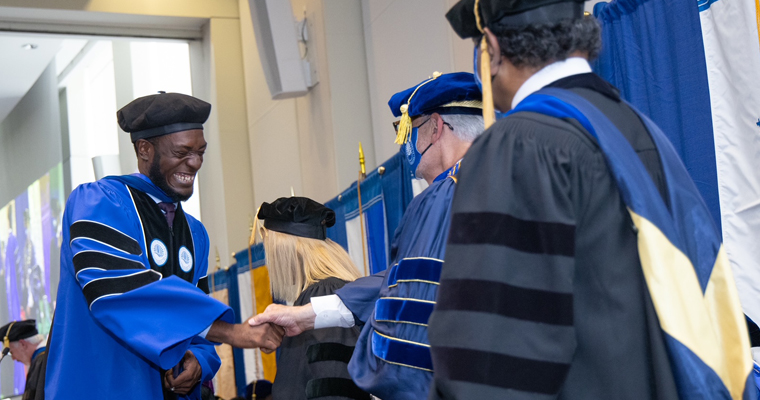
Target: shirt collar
<point x="550" y="73"/>
<point x="157" y="200"/>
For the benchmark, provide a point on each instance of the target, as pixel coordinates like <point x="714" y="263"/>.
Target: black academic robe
<point x="542" y="294"/>
<point x="35" y="378"/>
<point x="314" y="363"/>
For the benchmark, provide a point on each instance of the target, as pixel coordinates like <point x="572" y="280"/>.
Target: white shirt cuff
<point x="331" y="312"/>
<point x="205" y="332"/>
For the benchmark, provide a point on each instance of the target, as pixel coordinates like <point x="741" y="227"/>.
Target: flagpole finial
<point x="362" y="166"/>
<point x="292" y="192"/>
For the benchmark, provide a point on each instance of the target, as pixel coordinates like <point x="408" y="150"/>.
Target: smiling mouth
<point x="185" y="179"/>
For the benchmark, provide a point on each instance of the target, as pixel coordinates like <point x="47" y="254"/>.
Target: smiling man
<point x="134" y="319"/>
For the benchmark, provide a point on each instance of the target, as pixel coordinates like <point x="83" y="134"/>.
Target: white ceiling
<point x="20" y="68"/>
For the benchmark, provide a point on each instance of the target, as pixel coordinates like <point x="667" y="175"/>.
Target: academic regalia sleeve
<point x="419" y="234"/>
<point x="157" y="318"/>
<point x="503" y="323"/>
<point x="202" y="349"/>
<point x="205" y="352"/>
<point x="360" y="295"/>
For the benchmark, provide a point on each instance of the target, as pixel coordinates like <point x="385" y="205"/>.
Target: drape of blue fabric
<point x="652" y="50"/>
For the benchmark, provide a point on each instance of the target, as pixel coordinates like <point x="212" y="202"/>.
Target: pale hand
<point x="294" y="320"/>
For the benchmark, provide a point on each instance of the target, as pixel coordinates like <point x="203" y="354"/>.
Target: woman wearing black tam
<point x="304" y="263"/>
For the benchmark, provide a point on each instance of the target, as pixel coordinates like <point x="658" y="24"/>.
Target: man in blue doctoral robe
<point x="133" y="317"/>
<point x="440" y="117"/>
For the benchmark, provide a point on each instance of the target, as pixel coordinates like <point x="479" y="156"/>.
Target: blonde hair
<point x="295" y="263"/>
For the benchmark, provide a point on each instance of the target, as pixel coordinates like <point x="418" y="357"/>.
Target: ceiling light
<point x="29" y="46"/>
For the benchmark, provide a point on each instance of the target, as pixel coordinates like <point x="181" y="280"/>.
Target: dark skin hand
<point x="185" y="381"/>
<point x="266" y="336"/>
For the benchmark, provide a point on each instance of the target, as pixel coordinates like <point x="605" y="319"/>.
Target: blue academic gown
<point x="120" y="320"/>
<point x="392" y="357"/>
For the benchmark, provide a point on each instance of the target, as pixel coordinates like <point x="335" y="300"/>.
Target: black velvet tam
<point x="19" y="330"/>
<point x="299" y="216"/>
<point x="161" y="114"/>
<point x="510" y="13"/>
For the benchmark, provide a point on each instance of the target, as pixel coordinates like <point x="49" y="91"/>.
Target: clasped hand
<point x="294" y="320"/>
<point x="187" y="379"/>
<point x="266" y="336"/>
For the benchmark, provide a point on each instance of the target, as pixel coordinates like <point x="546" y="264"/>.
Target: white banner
<point x="732" y="54"/>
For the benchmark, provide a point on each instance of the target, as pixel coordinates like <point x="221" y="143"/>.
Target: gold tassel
<point x="489" y="116"/>
<point x="405" y="123"/>
<point x="485" y="76"/>
<point x="6" y="342"/>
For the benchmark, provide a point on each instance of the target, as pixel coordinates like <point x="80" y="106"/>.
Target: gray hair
<point x="466" y="127"/>
<point x="35" y="340"/>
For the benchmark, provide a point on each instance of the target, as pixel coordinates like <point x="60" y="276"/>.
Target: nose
<point x="195" y="161"/>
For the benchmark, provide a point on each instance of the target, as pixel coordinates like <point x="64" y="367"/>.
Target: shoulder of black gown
<point x="322" y="288"/>
<point x="606" y="98"/>
<point x="35" y="378"/>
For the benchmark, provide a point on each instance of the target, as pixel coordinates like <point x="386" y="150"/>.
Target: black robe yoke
<point x="542" y="294"/>
<point x="314" y="364"/>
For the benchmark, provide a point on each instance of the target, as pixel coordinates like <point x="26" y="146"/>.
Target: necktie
<point x="168" y="209"/>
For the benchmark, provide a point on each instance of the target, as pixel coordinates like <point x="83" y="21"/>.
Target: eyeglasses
<point x="396" y="123"/>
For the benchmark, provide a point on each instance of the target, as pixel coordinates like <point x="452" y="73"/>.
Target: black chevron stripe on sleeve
<point x="105" y="234"/>
<point x="99" y="288"/>
<point x="97" y="259"/>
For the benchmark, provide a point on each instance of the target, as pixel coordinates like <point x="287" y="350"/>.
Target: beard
<point x="159" y="180"/>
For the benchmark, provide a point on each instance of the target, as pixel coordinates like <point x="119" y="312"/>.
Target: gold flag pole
<point x="251" y="240"/>
<point x="362" y="175"/>
<point x="217" y="266"/>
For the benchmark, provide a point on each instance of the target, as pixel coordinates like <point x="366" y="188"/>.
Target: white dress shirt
<point x="551" y="73"/>
<point x="331" y="312"/>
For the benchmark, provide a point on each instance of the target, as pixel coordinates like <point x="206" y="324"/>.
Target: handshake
<point x="266" y="329"/>
<point x="265" y="336"/>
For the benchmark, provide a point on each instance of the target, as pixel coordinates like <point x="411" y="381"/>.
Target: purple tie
<point x="168" y="209"/>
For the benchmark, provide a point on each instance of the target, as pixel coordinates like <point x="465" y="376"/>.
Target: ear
<point x="494" y="51"/>
<point x="145" y="150"/>
<point x="438" y="127"/>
